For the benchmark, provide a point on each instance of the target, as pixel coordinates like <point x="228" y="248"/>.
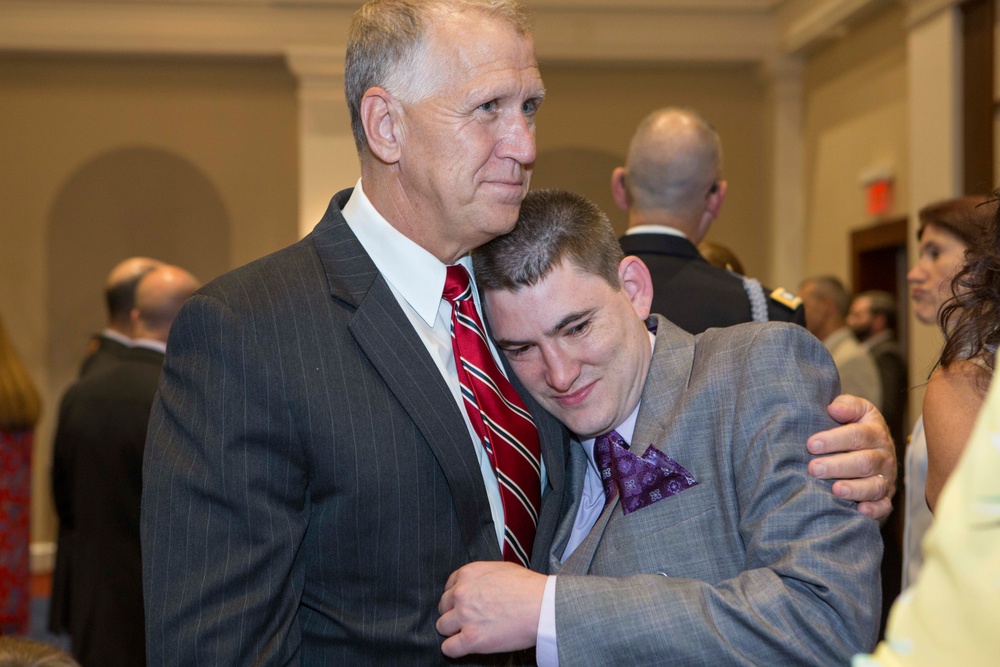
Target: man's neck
<point x="683" y="227"/>
<point x="388" y="196"/>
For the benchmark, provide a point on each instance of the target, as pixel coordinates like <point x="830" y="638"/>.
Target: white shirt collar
<point x="117" y="337"/>
<point x="416" y="274"/>
<point x="655" y="229"/>
<point x="150" y="344"/>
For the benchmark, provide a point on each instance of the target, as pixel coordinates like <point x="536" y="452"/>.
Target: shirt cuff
<point x="546" y="648"/>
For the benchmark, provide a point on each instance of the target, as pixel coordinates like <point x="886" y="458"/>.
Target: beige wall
<point x="855" y="119"/>
<point x="590" y="113"/>
<point x="220" y="140"/>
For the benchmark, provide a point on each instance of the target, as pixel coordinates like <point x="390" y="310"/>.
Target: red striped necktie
<point x="499" y="418"/>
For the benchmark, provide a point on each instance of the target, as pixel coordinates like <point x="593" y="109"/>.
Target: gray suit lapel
<point x="669" y="372"/>
<point x="576" y="471"/>
<point x="387" y="338"/>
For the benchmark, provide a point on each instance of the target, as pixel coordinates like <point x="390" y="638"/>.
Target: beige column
<point x="935" y="86"/>
<point x="328" y="159"/>
<point x="787" y="139"/>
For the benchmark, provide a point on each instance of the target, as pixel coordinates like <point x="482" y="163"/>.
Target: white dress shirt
<point x="416" y="278"/>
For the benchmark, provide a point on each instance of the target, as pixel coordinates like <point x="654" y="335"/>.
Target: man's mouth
<point x="574" y="398"/>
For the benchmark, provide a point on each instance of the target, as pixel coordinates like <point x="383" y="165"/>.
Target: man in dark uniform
<point x="97" y="480"/>
<point x="672" y="191"/>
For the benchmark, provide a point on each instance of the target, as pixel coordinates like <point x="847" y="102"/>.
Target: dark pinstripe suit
<point x="309" y="479"/>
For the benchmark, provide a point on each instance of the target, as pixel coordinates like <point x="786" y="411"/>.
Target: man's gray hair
<point x="553" y="226"/>
<point x="385" y="47"/>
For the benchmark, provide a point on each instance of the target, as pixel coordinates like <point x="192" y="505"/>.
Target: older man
<point x="694" y="534"/>
<point x="324" y="453"/>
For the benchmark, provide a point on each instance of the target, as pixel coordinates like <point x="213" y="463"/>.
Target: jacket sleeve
<point x="224" y="506"/>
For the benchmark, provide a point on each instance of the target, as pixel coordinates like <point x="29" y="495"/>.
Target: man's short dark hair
<point x="553" y="226"/>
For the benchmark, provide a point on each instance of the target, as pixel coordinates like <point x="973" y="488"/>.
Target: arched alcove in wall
<point x="129" y="201"/>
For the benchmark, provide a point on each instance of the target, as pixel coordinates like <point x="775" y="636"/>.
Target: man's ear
<point x="716" y="199"/>
<point x="637" y="283"/>
<point x="133" y="321"/>
<point x="380" y="118"/>
<point x="618" y="189"/>
<point x="713" y="203"/>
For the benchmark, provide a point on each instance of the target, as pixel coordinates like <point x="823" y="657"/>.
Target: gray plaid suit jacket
<point x="759" y="564"/>
<point x="309" y="479"/>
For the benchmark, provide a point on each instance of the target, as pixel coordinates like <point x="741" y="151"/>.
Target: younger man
<point x="688" y="500"/>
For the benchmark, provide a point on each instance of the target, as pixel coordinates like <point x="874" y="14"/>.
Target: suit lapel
<point x="576" y="471"/>
<point x="669" y="371"/>
<point x="385" y="335"/>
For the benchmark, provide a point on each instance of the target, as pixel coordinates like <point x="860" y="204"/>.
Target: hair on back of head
<point x="553" y="226"/>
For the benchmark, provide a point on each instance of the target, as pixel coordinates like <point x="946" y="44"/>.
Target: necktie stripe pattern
<point x="500" y="419"/>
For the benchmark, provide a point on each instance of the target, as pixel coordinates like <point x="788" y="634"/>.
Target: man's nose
<point x="561" y="370"/>
<point x="518" y="140"/>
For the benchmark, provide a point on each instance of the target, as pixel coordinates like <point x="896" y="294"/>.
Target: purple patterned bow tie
<point x="641" y="481"/>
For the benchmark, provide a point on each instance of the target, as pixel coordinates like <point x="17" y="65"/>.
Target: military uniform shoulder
<point x="785" y="298"/>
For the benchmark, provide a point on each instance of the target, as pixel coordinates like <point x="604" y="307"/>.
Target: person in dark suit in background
<point x="119" y="295"/>
<point x="97" y="479"/>
<point x="334" y="472"/>
<point x="672" y="188"/>
<point x="103" y="350"/>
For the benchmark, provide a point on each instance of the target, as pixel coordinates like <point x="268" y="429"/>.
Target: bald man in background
<point x="119" y="295"/>
<point x="97" y="478"/>
<point x="672" y="188"/>
<point x="103" y="350"/>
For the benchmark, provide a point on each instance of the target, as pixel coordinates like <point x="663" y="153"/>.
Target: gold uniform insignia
<point x="786" y="298"/>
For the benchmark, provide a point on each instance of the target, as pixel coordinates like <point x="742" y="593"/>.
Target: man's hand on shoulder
<point x="859" y="455"/>
<point x="490" y="607"/>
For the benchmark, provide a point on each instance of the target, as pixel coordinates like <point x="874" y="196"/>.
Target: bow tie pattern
<point x="644" y="481"/>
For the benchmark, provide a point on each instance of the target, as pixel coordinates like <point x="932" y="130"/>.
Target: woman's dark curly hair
<point x="971" y="317"/>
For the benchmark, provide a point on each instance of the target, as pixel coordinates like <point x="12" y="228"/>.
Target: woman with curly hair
<point x="956" y="390"/>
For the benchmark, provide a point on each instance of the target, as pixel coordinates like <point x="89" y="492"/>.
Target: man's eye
<point x="515" y="352"/>
<point x="578" y="329"/>
<point x="529" y="107"/>
<point x="489" y="106"/>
